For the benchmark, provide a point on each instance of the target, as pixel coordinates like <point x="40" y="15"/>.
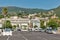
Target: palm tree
<point x="4" y="12"/>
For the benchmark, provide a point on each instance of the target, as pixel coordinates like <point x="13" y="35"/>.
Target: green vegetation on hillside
<point x="12" y="10"/>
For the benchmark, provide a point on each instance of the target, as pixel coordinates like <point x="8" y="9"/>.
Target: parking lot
<point x="31" y="36"/>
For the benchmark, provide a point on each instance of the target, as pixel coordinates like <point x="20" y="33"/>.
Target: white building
<point x="22" y="22"/>
<point x="36" y="22"/>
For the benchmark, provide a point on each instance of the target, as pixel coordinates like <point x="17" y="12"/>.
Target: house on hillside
<point x="54" y="16"/>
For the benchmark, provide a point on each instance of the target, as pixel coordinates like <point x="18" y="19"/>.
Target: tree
<point x="1" y="16"/>
<point x="19" y="14"/>
<point x="14" y="26"/>
<point x="24" y="27"/>
<point x="4" y="11"/>
<point x="35" y="26"/>
<point x="7" y="25"/>
<point x="30" y="17"/>
<point x="52" y="23"/>
<point x="42" y="24"/>
<point x="8" y="15"/>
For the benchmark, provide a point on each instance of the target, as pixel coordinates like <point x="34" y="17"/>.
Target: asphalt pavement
<point x="31" y="36"/>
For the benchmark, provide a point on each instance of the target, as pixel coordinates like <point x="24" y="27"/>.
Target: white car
<point x="54" y="32"/>
<point x="33" y="29"/>
<point x="36" y="29"/>
<point x="42" y="30"/>
<point x="7" y="32"/>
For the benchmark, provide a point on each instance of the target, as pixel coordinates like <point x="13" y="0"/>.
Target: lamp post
<point x="4" y="12"/>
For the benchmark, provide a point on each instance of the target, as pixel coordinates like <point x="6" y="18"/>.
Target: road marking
<point x="21" y="36"/>
<point x="43" y="38"/>
<point x="24" y="37"/>
<point x="8" y="38"/>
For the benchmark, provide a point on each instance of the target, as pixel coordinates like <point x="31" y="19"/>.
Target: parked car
<point x="42" y="30"/>
<point x="30" y="29"/>
<point x="36" y="29"/>
<point x="7" y="32"/>
<point x="49" y="31"/>
<point x="33" y="29"/>
<point x="18" y="29"/>
<point x="54" y="31"/>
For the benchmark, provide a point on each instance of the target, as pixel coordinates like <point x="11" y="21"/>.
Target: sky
<point x="41" y="4"/>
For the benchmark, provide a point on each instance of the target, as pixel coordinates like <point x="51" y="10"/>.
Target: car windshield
<point x="7" y="30"/>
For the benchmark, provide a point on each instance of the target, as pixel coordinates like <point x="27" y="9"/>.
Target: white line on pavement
<point x="24" y="37"/>
<point x="43" y="38"/>
<point x="8" y="38"/>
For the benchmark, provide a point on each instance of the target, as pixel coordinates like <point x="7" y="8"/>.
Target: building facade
<point x="23" y="23"/>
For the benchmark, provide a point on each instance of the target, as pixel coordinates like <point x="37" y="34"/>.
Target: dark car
<point x="18" y="29"/>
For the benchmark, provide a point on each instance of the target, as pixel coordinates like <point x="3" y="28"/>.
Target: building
<point x="23" y="23"/>
<point x="54" y="16"/>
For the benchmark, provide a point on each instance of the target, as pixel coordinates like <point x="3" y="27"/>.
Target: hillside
<point x="19" y="9"/>
<point x="16" y="10"/>
<point x="57" y="11"/>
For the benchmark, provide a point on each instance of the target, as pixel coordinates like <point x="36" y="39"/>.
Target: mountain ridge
<point x="15" y="9"/>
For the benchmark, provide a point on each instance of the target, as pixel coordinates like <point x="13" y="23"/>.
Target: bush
<point x="7" y="24"/>
<point x="35" y="26"/>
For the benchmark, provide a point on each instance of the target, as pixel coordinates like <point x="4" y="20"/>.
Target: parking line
<point x="43" y="38"/>
<point x="8" y="38"/>
<point x="24" y="37"/>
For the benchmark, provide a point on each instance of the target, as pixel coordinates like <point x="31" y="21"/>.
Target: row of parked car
<point x="50" y="31"/>
<point x="9" y="31"/>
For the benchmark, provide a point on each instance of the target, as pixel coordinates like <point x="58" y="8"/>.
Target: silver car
<point x="49" y="31"/>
